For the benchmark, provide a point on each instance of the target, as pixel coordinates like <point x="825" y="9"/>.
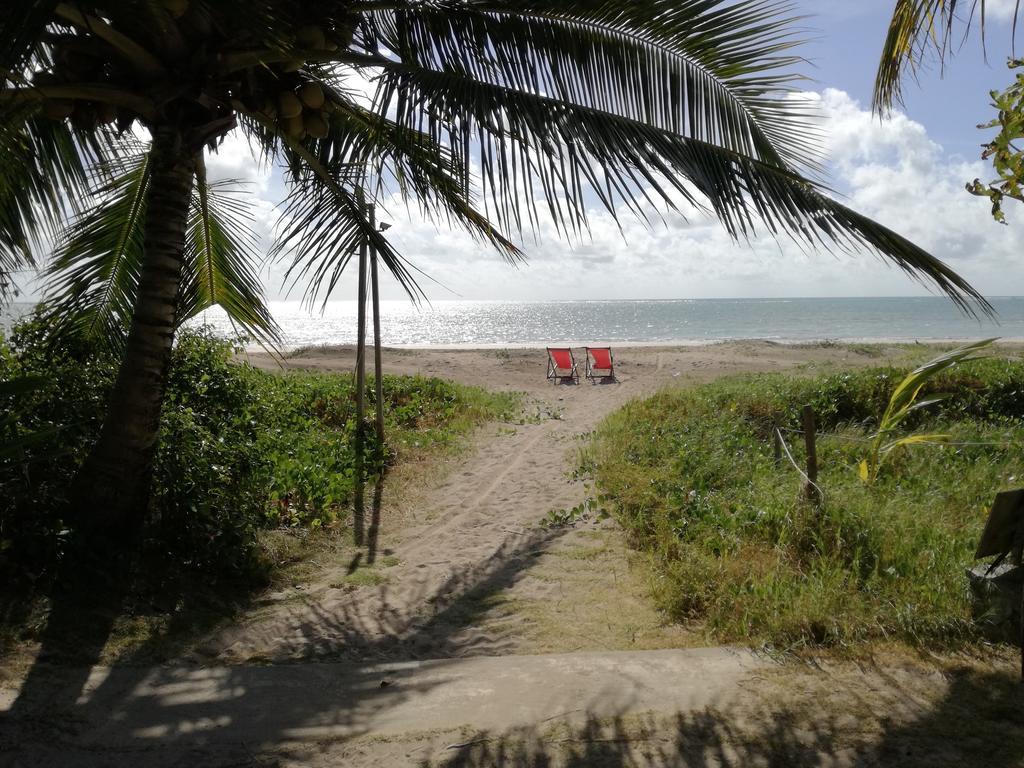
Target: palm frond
<point x="221" y="260"/>
<point x="713" y="71"/>
<point x="564" y="148"/>
<point x="43" y="176"/>
<point x="94" y="277"/>
<point x="368" y="151"/>
<point x="93" y="281"/>
<point x="324" y="223"/>
<point x="918" y="27"/>
<point x="22" y="26"/>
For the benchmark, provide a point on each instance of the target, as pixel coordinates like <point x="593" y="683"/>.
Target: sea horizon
<point x="469" y="323"/>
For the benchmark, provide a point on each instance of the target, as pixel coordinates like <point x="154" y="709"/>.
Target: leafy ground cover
<point x="242" y="454"/>
<point x="735" y="545"/>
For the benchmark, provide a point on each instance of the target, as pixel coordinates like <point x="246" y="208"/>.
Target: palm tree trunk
<point x="111" y="490"/>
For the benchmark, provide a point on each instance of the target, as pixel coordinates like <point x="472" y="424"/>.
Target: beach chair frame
<point x="592" y="373"/>
<point x="553" y="369"/>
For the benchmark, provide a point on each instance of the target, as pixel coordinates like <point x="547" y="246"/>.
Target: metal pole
<point x="377" y="367"/>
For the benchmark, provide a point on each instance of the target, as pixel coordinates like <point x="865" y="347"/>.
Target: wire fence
<point x="804" y="475"/>
<point x="868" y="440"/>
<point x="809" y="476"/>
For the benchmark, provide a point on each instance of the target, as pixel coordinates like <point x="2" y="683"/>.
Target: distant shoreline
<point x="647" y="345"/>
<point x="486" y="325"/>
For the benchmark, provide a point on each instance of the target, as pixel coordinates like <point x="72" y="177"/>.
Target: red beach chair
<point x="562" y="365"/>
<point x="599" y="363"/>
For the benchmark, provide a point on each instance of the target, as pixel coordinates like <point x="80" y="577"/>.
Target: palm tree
<point x="920" y="27"/>
<point x="486" y="114"/>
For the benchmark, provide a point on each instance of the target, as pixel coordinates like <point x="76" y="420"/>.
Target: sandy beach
<point x="476" y="521"/>
<point x="487" y="638"/>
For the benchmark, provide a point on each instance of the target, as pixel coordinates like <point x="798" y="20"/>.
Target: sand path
<point x="438" y="666"/>
<point x="471" y="570"/>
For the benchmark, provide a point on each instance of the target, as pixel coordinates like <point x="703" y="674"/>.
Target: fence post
<point x="812" y="490"/>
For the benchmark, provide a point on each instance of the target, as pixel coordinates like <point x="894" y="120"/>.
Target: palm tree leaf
<point x="320" y="203"/>
<point x="221" y="259"/>
<point x="562" y="148"/>
<point x="94" y="277"/>
<point x="917" y="27"/>
<point x="717" y="72"/>
<point x="366" y="150"/>
<point x="43" y="175"/>
<point x="22" y="26"/>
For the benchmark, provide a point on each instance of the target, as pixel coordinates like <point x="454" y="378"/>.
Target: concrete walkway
<point x="165" y="714"/>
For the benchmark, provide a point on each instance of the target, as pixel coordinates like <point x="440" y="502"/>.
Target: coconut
<point x="312" y="95"/>
<point x="295" y="127"/>
<point x="293" y="65"/>
<point x="268" y="109"/>
<point x="288" y="105"/>
<point x="315" y="124"/>
<point x="311" y="37"/>
<point x="58" y="109"/>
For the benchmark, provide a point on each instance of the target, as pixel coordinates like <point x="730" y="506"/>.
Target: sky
<point x="907" y="172"/>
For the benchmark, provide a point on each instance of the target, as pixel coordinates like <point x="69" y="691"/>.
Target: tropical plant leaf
<point x="918" y="27"/>
<point x="716" y="72"/>
<point x="909" y="388"/>
<point x="904" y="400"/>
<point x="564" y="149"/>
<point x="915" y="440"/>
<point x="94" y="279"/>
<point x="221" y="260"/>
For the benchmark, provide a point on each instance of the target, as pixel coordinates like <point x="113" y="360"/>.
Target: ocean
<point x="696" y="321"/>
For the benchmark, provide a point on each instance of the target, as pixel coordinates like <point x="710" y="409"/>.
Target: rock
<point x="996" y="599"/>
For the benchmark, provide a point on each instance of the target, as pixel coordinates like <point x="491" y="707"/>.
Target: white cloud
<point x="1004" y="10"/>
<point x="234" y="159"/>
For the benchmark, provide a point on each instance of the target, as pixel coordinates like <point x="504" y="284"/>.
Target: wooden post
<point x="358" y="506"/>
<point x="361" y="343"/>
<point x="377" y="367"/>
<point x="812" y="490"/>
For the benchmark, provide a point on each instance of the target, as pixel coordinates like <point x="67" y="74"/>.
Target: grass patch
<point x="363" y="577"/>
<point x="254" y="471"/>
<point x="691" y="477"/>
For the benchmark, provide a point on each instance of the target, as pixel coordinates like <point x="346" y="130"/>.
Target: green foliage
<point x="240" y="450"/>
<point x="567" y="518"/>
<point x="94" y="275"/>
<point x="904" y="402"/>
<point x="690" y="474"/>
<point x="1007" y="156"/>
<point x="542" y="95"/>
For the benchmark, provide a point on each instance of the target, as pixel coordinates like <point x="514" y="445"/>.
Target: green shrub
<point x="691" y="476"/>
<point x="240" y="450"/>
